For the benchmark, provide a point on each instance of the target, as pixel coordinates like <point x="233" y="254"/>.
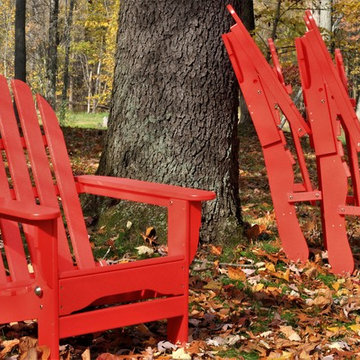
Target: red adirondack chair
<point x="267" y="97"/>
<point x="329" y="109"/>
<point x="35" y="176"/>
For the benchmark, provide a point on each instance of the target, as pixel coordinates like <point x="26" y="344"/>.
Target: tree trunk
<point x="174" y="111"/>
<point x="52" y="52"/>
<point x="67" y="36"/>
<point x="20" y="44"/>
<point x="322" y="15"/>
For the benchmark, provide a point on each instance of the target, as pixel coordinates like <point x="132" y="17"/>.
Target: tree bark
<point x="174" y="112"/>
<point x="52" y="52"/>
<point x="20" y="43"/>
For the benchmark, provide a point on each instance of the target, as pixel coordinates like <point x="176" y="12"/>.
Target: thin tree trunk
<point x="20" y="43"/>
<point x="52" y="52"/>
<point x="322" y="14"/>
<point x="247" y="17"/>
<point x="97" y="87"/>
<point x="67" y="36"/>
<point x="89" y="93"/>
<point x="71" y="93"/>
<point x="174" y="111"/>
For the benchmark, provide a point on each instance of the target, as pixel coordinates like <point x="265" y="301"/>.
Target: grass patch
<point x="327" y="279"/>
<point x="269" y="248"/>
<point x="85" y="120"/>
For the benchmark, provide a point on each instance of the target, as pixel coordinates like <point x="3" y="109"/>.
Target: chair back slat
<point x="66" y="184"/>
<point x="13" y="148"/>
<point x="39" y="162"/>
<point x="14" y="249"/>
<point x="13" y="246"/>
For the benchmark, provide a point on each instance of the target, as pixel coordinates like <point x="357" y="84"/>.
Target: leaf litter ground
<point x="247" y="300"/>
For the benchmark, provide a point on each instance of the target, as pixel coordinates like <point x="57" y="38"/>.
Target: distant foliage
<point x="93" y="42"/>
<point x="283" y="20"/>
<point x="93" y="37"/>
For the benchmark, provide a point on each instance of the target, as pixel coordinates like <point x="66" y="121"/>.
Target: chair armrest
<point x="24" y="212"/>
<point x="92" y="183"/>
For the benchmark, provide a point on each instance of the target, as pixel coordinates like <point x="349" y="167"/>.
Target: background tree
<point x="20" y="48"/>
<point x="173" y="117"/>
<point x="247" y="17"/>
<point x="67" y="42"/>
<point x="51" y="62"/>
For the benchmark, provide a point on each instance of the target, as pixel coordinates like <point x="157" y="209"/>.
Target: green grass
<point x="85" y="120"/>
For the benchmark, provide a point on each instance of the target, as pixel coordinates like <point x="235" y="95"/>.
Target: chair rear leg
<point x="281" y="181"/>
<point x="334" y="190"/>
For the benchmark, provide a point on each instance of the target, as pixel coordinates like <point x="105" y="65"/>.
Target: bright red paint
<point x="328" y="110"/>
<point x="72" y="280"/>
<point x="267" y="98"/>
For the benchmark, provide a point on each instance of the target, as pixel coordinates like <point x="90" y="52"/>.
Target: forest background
<point x="247" y="300"/>
<point x="88" y="29"/>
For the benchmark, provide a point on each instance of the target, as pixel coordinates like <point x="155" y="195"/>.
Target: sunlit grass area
<point x="85" y="120"/>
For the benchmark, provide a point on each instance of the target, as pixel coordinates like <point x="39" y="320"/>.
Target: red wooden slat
<point x="39" y="162"/>
<point x="21" y="181"/>
<point x="117" y="282"/>
<point x="13" y="147"/>
<point x="123" y="315"/>
<point x="66" y="184"/>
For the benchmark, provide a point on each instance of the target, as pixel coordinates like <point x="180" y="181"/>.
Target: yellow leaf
<point x="258" y="287"/>
<point x="270" y="267"/>
<point x="333" y="328"/>
<point x="283" y="275"/>
<point x="180" y="354"/>
<point x="336" y="286"/>
<point x="355" y="327"/>
<point x="236" y="274"/>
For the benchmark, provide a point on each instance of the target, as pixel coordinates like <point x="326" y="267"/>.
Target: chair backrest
<point x="35" y="168"/>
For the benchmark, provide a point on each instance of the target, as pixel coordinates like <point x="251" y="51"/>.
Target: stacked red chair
<point x="329" y="109"/>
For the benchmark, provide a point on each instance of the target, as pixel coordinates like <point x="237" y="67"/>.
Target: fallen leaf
<point x="45" y="352"/>
<point x="270" y="267"/>
<point x="212" y="285"/>
<point x="8" y="346"/>
<point x="144" y="250"/>
<point x="236" y="274"/>
<point x="216" y="250"/>
<point x="107" y="356"/>
<point x="86" y="355"/>
<point x="290" y="333"/>
<point x="31" y="354"/>
<point x="180" y="354"/>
